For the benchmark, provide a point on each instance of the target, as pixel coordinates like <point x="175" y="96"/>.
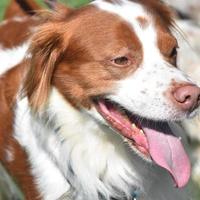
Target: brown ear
<point x="47" y="46"/>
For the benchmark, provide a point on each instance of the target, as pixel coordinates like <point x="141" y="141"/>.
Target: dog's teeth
<point x="141" y="131"/>
<point x="134" y="126"/>
<point x="180" y="138"/>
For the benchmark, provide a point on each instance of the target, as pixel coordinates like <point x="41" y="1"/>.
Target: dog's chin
<point x="152" y="140"/>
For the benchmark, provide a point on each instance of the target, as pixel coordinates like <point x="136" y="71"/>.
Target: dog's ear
<point x="47" y="47"/>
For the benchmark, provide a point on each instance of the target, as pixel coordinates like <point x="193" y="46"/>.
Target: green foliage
<point x="3" y="4"/>
<point x="76" y="3"/>
<point x="73" y="3"/>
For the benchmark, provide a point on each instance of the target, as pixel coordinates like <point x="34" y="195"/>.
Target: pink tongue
<point x="168" y="152"/>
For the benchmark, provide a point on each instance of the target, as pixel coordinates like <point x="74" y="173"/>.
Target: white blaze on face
<point x="143" y="91"/>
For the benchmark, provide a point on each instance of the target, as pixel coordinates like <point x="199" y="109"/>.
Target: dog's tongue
<point x="168" y="152"/>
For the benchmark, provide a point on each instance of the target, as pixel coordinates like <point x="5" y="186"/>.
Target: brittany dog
<point x="87" y="99"/>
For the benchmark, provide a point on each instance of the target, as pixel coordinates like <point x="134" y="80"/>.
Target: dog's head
<point x="116" y="60"/>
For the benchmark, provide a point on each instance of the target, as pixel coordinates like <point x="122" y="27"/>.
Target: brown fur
<point x="13" y="33"/>
<point x="143" y="22"/>
<point x="159" y="10"/>
<point x="167" y="45"/>
<point x="19" y="168"/>
<point x="21" y="8"/>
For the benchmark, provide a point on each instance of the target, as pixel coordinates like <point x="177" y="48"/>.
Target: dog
<point x="87" y="102"/>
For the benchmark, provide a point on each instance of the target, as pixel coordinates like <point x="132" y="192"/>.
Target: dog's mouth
<point x="153" y="140"/>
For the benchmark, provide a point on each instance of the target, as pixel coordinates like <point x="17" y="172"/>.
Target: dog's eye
<point x="121" y="61"/>
<point x="173" y="53"/>
<point x="173" y="56"/>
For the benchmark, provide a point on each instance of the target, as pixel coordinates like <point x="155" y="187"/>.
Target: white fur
<point x="11" y="57"/>
<point x="98" y="158"/>
<point x="10" y="154"/>
<point x="19" y="19"/>
<point x="16" y="19"/>
<point x="48" y="178"/>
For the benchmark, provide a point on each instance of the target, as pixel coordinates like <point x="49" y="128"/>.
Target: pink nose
<point x="187" y="97"/>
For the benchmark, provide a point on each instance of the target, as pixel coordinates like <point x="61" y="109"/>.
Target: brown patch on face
<point x="158" y="9"/>
<point x="76" y="56"/>
<point x="163" y="17"/>
<point x="19" y="167"/>
<point x="167" y="44"/>
<point x="143" y="22"/>
<point x="13" y="33"/>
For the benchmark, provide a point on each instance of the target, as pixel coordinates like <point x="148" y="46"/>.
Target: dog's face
<point x="116" y="60"/>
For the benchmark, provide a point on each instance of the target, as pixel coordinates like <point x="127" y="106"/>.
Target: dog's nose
<point x="187" y="97"/>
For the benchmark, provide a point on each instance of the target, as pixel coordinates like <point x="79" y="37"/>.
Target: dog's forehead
<point x="135" y="14"/>
<point x="154" y="10"/>
<point x="149" y="20"/>
<point x="132" y="13"/>
<point x="128" y="10"/>
<point x="108" y="18"/>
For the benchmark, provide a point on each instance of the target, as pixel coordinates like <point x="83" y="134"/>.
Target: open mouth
<point x="154" y="140"/>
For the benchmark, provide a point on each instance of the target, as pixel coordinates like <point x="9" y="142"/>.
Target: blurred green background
<point x="73" y="3"/>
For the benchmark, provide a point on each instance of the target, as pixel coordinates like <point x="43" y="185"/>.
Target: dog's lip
<point x="132" y="132"/>
<point x="149" y="138"/>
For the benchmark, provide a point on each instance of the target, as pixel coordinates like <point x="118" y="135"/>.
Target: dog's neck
<point x="88" y="151"/>
<point x="86" y="155"/>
